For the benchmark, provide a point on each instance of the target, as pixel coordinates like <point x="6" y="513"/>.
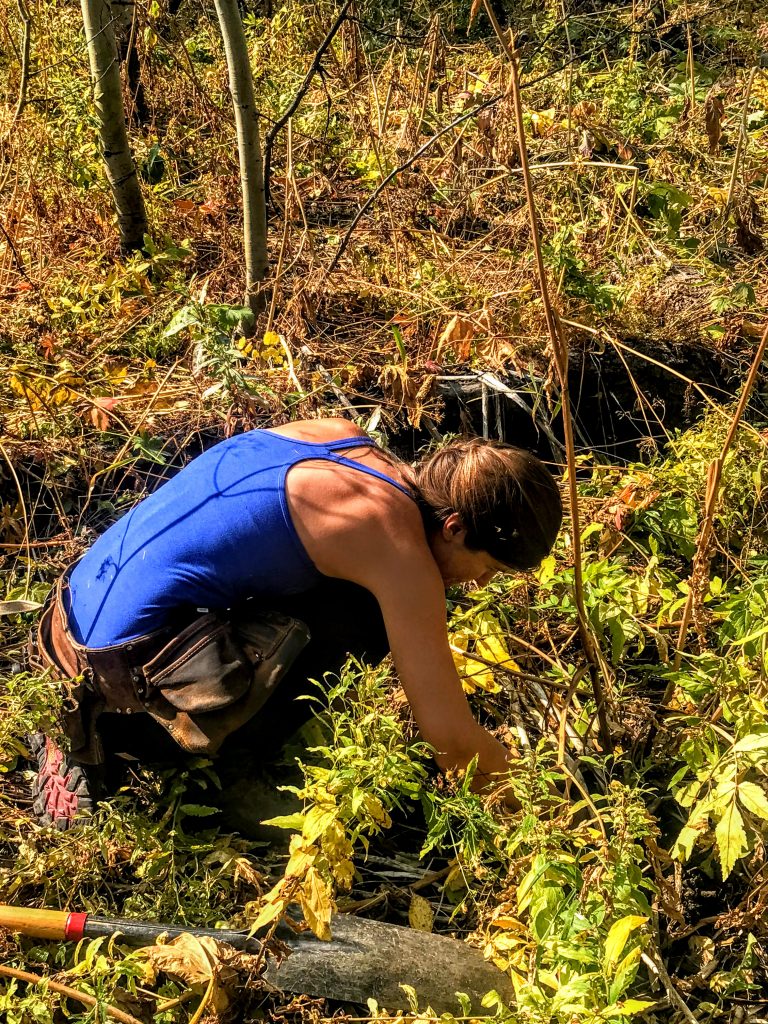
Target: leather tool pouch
<point x="216" y="675"/>
<point x="202" y="669"/>
<point x="200" y="683"/>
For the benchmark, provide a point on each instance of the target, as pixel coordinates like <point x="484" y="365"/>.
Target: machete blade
<point x="371" y="960"/>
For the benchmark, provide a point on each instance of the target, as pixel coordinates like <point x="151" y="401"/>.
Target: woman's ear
<point x="453" y="526"/>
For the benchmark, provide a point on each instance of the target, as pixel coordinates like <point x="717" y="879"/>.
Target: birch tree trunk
<point x="113" y="137"/>
<point x="248" y="149"/>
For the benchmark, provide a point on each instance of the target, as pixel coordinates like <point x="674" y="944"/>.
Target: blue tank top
<point x="214" y="535"/>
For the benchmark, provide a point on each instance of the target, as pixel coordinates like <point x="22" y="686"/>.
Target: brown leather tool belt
<point x="200" y="680"/>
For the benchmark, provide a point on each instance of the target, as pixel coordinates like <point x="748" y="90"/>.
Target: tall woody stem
<point x="698" y="583"/>
<point x="598" y="668"/>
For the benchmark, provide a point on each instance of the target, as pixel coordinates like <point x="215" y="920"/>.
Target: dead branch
<point x="293" y="106"/>
<point x="398" y="170"/>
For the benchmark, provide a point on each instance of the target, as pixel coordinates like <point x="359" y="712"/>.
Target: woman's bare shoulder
<point x="332" y="428"/>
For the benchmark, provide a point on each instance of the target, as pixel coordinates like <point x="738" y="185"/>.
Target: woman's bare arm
<point x="412" y="601"/>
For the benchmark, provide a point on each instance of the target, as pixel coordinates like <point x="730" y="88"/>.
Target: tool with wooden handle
<point x="364" y="959"/>
<point x="63" y="926"/>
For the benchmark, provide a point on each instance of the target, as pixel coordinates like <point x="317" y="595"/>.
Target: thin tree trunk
<point x="249" y="151"/>
<point x="108" y="100"/>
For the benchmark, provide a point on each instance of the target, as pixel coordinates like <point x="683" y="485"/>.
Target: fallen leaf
<point x="587" y="145"/>
<point x="99" y="412"/>
<point x="420" y="915"/>
<point x="196" y="961"/>
<point x="184" y="205"/>
<point x="583" y="112"/>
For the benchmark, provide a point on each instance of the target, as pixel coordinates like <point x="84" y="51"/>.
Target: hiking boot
<point x="62" y="794"/>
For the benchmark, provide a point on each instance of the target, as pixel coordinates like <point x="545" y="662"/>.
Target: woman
<point x="193" y="605"/>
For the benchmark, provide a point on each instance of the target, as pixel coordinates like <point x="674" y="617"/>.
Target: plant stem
<point x="740" y="144"/>
<point x="70" y="993"/>
<point x="26" y="21"/>
<point x="559" y="345"/>
<point x="698" y="581"/>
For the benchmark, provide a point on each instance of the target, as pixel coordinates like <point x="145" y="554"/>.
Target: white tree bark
<point x="113" y="137"/>
<point x="249" y="150"/>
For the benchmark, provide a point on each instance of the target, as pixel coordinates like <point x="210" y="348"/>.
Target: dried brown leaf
<point x="713" y="119"/>
<point x="457" y="336"/>
<point x="197" y="962"/>
<point x="473" y="11"/>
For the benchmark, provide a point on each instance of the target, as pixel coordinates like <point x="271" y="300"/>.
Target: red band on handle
<point x="74" y="929"/>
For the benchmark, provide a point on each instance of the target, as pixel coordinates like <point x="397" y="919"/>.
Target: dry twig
<point x="70" y="993"/>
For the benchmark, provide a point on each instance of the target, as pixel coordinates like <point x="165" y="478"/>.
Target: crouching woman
<point x="265" y="562"/>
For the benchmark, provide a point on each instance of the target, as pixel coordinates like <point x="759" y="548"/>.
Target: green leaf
<point x="755" y="741"/>
<point x="753" y="799"/>
<point x="683" y="845"/>
<point x="490" y="999"/>
<point x="625" y="974"/>
<point x="628" y="1008"/>
<point x="185" y="317"/>
<point x="295" y="822"/>
<point x="617" y="938"/>
<point x="465" y="1003"/>
<point x="198" y="810"/>
<point x="398" y="336"/>
<point x="731" y="839"/>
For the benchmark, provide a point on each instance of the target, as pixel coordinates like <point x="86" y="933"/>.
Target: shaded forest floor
<point x="647" y="131"/>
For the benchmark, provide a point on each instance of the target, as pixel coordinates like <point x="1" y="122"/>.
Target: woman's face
<point x="458" y="563"/>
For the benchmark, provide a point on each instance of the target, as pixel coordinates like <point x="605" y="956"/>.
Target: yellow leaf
<point x="617" y="937"/>
<point x="301" y="858"/>
<point x="731" y="839"/>
<point x="753" y="798"/>
<point x="420" y="915"/>
<point x="630" y="1007"/>
<point x="317" y="904"/>
<point x="473" y="674"/>
<point x="318" y="819"/>
<point x="546" y="570"/>
<point x="344" y="873"/>
<point x="274" y="905"/>
<point x="376" y="810"/>
<point x="511" y="923"/>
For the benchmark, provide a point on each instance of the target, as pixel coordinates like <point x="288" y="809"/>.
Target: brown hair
<point x="508" y="501"/>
